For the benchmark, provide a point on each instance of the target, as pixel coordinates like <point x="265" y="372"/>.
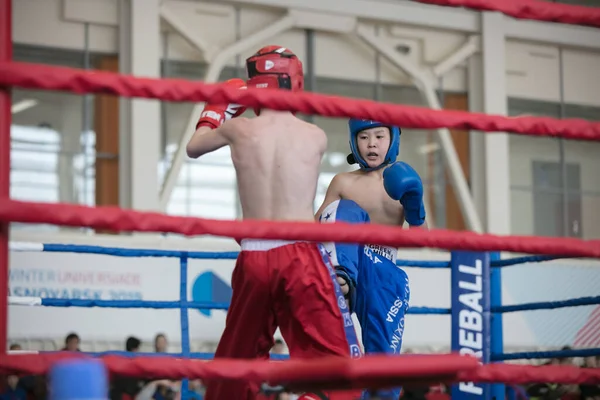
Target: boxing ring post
<point x="184" y="317"/>
<point x="496" y="329"/>
<point x="471" y="312"/>
<point x="212" y="75"/>
<point x="425" y="86"/>
<point x="5" y="122"/>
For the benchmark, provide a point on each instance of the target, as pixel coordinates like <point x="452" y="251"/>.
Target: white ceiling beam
<point x="438" y="17"/>
<point x="553" y="33"/>
<point x="402" y="11"/>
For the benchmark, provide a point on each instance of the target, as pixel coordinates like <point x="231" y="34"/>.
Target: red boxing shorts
<point x="290" y="285"/>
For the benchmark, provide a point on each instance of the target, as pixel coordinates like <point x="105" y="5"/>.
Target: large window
<point x="34" y="164"/>
<point x="206" y="187"/>
<point x="550" y="200"/>
<point x="42" y="171"/>
<point x="555" y="186"/>
<point x="53" y="154"/>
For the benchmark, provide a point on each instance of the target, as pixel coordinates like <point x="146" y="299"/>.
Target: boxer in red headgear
<point x="276" y="283"/>
<point x="275" y="67"/>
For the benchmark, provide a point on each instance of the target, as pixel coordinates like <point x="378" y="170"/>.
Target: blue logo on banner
<point x="209" y="287"/>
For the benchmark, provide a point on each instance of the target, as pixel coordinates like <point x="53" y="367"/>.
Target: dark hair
<point x="70" y="337"/>
<point x="132" y="343"/>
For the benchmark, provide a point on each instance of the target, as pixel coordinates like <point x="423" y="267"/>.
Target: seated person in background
<point x="126" y="388"/>
<point x="133" y="344"/>
<point x="590" y="392"/>
<point x="33" y="386"/>
<point x="13" y="391"/>
<point x="384" y="192"/>
<point x="71" y="342"/>
<point x="162" y="389"/>
<point x="15" y="347"/>
<point x="160" y="343"/>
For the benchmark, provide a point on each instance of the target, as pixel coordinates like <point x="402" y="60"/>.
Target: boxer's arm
<point x="210" y="133"/>
<point x="334" y="192"/>
<point x="205" y="140"/>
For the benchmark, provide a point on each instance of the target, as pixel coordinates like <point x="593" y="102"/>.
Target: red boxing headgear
<point x="275" y="67"/>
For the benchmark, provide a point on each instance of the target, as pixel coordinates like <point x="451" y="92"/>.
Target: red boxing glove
<point x="214" y="115"/>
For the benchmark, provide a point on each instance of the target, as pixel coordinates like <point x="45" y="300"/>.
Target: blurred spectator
<point x="197" y="389"/>
<point x="133" y="344"/>
<point x="125" y="388"/>
<point x="25" y="384"/>
<point x="552" y="391"/>
<point x="160" y="343"/>
<point x="590" y="392"/>
<point x="162" y="389"/>
<point x="415" y="393"/>
<point x="71" y="342"/>
<point x="13" y="391"/>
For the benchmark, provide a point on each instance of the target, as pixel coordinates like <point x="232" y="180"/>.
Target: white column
<point x="71" y="145"/>
<point x="477" y="138"/>
<point x="496" y="147"/>
<point x="139" y="54"/>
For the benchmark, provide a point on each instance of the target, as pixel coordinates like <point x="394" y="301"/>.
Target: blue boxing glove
<point x="403" y="183"/>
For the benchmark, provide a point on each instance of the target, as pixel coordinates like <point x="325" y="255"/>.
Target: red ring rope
<point x="34" y="76"/>
<point x="531" y="10"/>
<point x="126" y="220"/>
<point x="369" y="371"/>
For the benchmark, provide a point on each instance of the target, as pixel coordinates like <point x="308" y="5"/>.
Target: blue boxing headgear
<point x="358" y="125"/>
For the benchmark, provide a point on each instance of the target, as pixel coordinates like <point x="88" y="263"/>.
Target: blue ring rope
<point x="423" y="264"/>
<point x="208" y="305"/>
<point x="121" y="252"/>
<point x="201" y="255"/>
<point x="428" y="311"/>
<point x="232" y="255"/>
<point x="522" y="260"/>
<point x="129" y="354"/>
<point x="178" y="304"/>
<point x="158" y="304"/>
<point x="184" y="321"/>
<point x="548" y="305"/>
<point x="545" y="354"/>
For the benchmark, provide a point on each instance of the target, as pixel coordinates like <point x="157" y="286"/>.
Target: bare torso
<point x="366" y="189"/>
<point x="277" y="158"/>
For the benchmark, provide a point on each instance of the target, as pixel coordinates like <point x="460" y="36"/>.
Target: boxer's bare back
<point x="277" y="158"/>
<point x="366" y="189"/>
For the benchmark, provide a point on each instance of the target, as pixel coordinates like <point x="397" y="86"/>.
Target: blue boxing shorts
<point x="381" y="289"/>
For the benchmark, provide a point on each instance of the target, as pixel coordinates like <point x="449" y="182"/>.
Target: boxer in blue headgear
<point x="377" y="290"/>
<point x="359" y="125"/>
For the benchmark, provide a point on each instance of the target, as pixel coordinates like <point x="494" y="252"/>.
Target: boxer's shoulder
<point x="239" y="127"/>
<point x="347" y="178"/>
